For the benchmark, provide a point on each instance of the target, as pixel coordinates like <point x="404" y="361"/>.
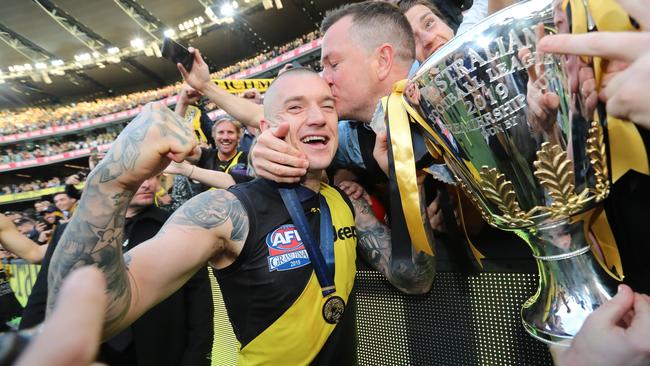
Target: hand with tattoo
<point x="146" y="146"/>
<point x="95" y="233"/>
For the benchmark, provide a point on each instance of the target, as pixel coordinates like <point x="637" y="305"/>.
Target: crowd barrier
<point x="464" y="320"/>
<point x="33" y="195"/>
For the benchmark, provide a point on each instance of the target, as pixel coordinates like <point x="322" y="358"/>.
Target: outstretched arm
<point x="243" y="110"/>
<point x="158" y="267"/>
<point x="13" y="241"/>
<point x="413" y="276"/>
<point x="208" y="177"/>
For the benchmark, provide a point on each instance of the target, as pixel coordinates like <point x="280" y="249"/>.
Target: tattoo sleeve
<point x="94" y="236"/>
<point x="210" y="210"/>
<point x="413" y="276"/>
<point x="95" y="233"/>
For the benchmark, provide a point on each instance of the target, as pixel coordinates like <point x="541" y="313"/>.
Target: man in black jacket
<point x="178" y="331"/>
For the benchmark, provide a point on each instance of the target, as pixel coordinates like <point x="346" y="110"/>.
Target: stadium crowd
<point x="31" y="151"/>
<point x="31" y="186"/>
<point x="37" y="118"/>
<point x="291" y="150"/>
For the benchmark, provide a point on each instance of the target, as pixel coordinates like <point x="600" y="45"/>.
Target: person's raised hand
<point x="183" y="168"/>
<point x="199" y="76"/>
<point x="253" y="95"/>
<point x="188" y="95"/>
<point x="276" y="160"/>
<point x="380" y="151"/>
<point x="73" y="179"/>
<point x="44" y="236"/>
<point x="40" y="227"/>
<point x="352" y="189"/>
<point x="145" y="147"/>
<point x="71" y="335"/>
<point x="434" y="214"/>
<point x="542" y="104"/>
<point x="617" y="333"/>
<point x="625" y="92"/>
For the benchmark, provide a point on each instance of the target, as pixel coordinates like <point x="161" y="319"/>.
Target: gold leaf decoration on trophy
<point x="555" y="172"/>
<point x="499" y="190"/>
<point x="488" y="218"/>
<point x="598" y="158"/>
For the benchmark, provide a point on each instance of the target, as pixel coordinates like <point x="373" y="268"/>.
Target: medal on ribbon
<point x="322" y="260"/>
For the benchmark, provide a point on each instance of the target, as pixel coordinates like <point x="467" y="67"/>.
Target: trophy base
<point x="572" y="283"/>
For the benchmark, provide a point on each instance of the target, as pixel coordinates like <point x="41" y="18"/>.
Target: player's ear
<point x="264" y="124"/>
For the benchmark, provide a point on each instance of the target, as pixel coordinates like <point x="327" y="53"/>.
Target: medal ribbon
<point x="322" y="260"/>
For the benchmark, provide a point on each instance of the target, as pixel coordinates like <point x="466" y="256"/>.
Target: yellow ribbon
<point x="400" y="115"/>
<point x="404" y="162"/>
<point x="626" y="147"/>
<point x="235" y="86"/>
<point x="434" y="150"/>
<point x="603" y="233"/>
<point x="478" y="256"/>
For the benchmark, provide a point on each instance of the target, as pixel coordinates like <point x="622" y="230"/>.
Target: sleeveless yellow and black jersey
<point x="210" y="160"/>
<point x="271" y="293"/>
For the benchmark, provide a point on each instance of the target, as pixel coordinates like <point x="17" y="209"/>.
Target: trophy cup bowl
<point x="527" y="145"/>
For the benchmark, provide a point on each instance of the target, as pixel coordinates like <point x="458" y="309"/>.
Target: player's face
<point x="306" y="102"/>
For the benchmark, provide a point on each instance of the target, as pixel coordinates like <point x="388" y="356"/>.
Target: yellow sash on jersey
<point x="233" y="163"/>
<point x="300" y="333"/>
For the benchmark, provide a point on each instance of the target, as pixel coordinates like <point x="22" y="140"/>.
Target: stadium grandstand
<point x="50" y="122"/>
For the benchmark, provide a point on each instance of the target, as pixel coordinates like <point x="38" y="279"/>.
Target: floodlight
<point x="137" y="43"/>
<point x="227" y="10"/>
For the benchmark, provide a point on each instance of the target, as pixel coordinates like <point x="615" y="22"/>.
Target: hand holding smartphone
<point x="177" y="53"/>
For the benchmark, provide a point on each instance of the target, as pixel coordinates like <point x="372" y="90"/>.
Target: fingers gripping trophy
<point x="526" y="140"/>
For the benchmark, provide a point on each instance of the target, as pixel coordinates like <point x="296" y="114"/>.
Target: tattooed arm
<point x="413" y="275"/>
<point x="210" y="227"/>
<point x="200" y="230"/>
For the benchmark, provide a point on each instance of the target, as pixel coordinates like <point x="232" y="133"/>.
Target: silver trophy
<point x="526" y="142"/>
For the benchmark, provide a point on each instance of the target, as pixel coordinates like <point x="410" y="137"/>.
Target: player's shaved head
<point x="271" y="97"/>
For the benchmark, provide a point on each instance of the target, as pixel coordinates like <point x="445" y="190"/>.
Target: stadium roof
<point x="33" y="31"/>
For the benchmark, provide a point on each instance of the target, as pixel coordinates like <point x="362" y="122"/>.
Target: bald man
<point x="281" y="311"/>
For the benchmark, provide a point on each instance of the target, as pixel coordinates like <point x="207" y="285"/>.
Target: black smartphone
<point x="176" y="52"/>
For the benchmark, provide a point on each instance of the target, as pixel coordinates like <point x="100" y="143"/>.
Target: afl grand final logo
<point x="286" y="250"/>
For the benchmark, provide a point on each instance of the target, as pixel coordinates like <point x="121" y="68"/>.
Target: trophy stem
<point x="572" y="283"/>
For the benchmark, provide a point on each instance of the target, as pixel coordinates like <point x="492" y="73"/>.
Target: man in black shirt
<point x="225" y="158"/>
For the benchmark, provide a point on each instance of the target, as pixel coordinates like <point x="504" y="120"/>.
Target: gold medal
<point x="333" y="309"/>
